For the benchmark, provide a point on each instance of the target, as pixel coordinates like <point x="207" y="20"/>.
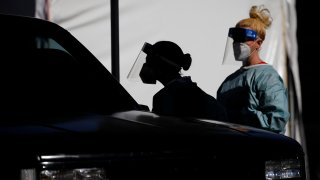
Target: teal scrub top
<point x="256" y="96"/>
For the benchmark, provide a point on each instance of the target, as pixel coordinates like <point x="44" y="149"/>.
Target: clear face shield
<point x="236" y="49"/>
<point x="143" y="70"/>
<point x="137" y="66"/>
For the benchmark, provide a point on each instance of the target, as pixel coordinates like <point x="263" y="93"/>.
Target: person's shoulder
<point x="270" y="70"/>
<point x="267" y="76"/>
<point x="263" y="69"/>
<point x="267" y="67"/>
<point x="234" y="74"/>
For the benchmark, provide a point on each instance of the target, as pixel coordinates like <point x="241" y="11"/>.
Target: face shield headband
<point x="236" y="36"/>
<point x="134" y="74"/>
<point x="242" y="34"/>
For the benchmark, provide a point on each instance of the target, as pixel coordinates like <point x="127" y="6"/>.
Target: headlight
<point x="72" y="174"/>
<point x="283" y="169"/>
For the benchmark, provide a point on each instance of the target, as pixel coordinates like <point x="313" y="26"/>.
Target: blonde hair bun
<point x="261" y="13"/>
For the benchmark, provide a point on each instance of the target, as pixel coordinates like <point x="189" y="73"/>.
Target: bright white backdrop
<point x="198" y="27"/>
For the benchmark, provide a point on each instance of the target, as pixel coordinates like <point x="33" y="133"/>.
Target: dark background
<point x="308" y="46"/>
<point x="21" y="7"/>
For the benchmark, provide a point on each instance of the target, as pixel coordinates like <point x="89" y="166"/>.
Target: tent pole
<point x="114" y="8"/>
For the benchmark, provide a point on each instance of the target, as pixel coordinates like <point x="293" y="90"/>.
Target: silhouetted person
<point x="180" y="96"/>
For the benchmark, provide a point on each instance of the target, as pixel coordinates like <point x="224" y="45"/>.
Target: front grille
<point x="166" y="165"/>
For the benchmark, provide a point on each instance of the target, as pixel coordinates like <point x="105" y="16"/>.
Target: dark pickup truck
<point x="65" y="117"/>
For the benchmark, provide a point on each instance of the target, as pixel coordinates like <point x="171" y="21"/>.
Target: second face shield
<point x="235" y="45"/>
